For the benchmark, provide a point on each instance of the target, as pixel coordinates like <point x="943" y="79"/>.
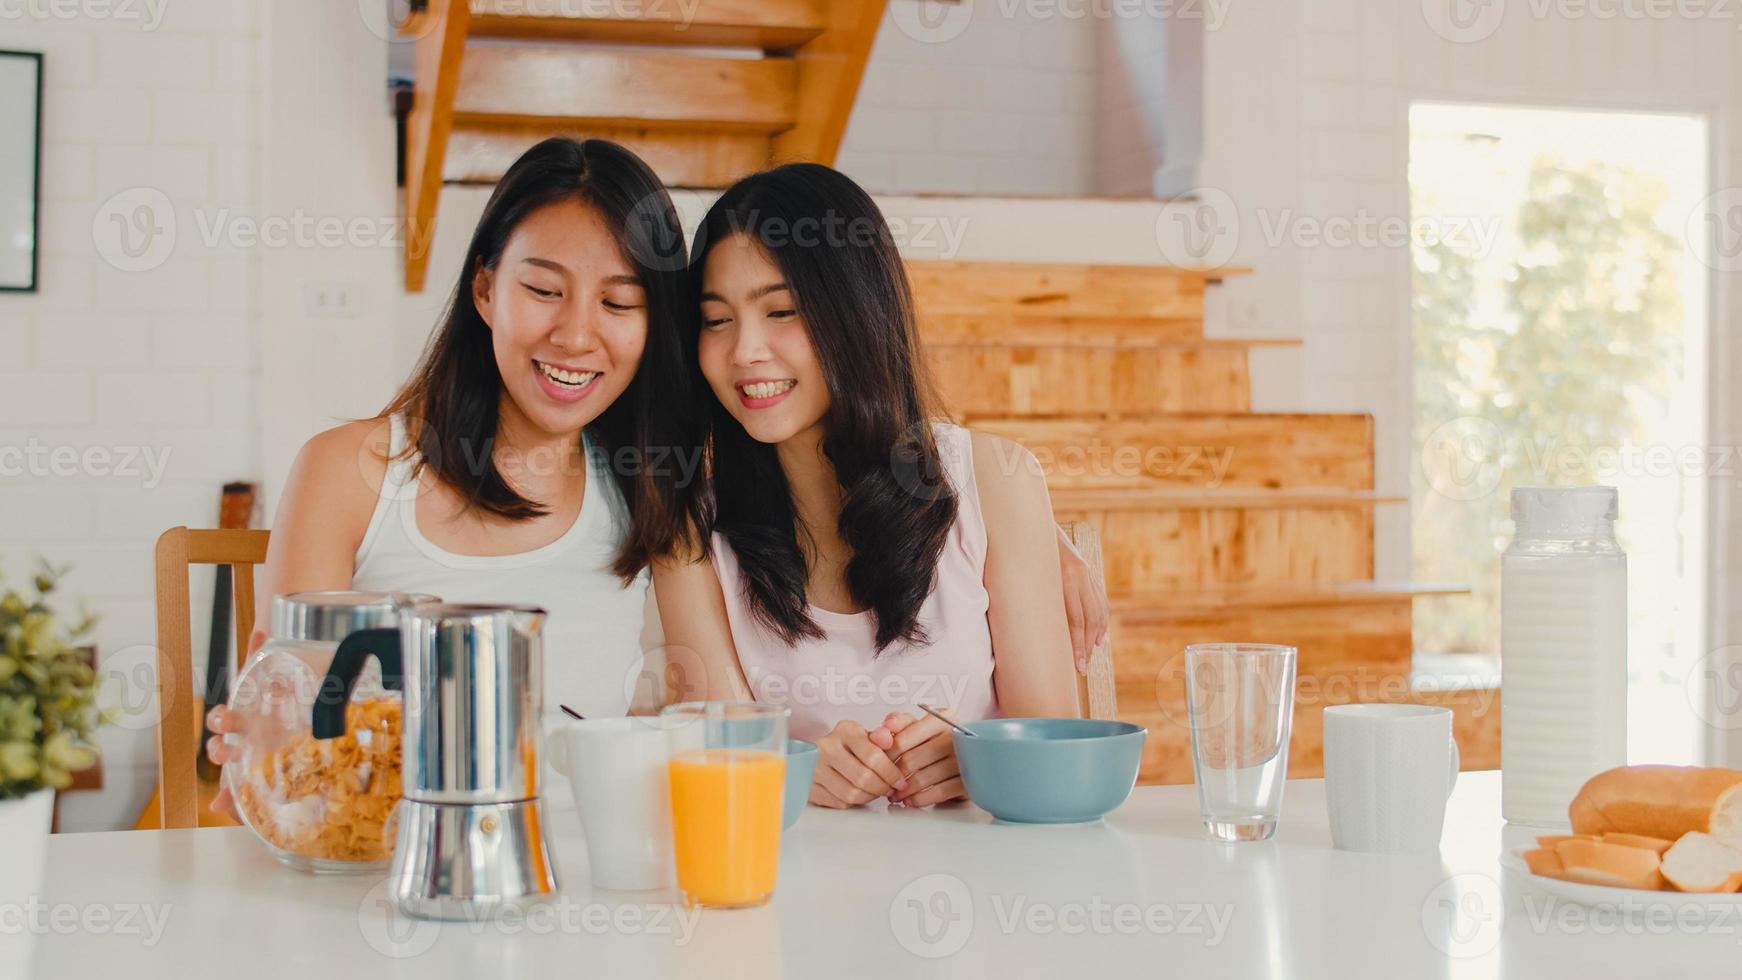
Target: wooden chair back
<point x="179" y="704"/>
<point x="1095" y="692"/>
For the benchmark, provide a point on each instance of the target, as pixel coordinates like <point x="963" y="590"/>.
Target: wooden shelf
<point x="996" y="292"/>
<point x="1159" y="605"/>
<point x="1145" y="499"/>
<point x="1179" y="451"/>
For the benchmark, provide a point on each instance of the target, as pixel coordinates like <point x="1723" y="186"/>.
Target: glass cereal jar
<point x="321" y="806"/>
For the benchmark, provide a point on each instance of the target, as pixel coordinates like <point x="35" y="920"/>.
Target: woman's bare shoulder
<point x="341" y="470"/>
<point x="1004" y="469"/>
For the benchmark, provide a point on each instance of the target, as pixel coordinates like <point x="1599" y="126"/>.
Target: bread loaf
<point x="1661" y="801"/>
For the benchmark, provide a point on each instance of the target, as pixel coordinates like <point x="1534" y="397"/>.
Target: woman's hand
<point x="218" y="720"/>
<point x="926" y="755"/>
<point x="1085" y="603"/>
<point x="851" y="770"/>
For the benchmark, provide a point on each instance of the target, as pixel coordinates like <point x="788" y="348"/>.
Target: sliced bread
<point x="1699" y="863"/>
<point x="1597" y="863"/>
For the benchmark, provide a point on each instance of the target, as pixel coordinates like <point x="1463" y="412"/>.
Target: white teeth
<point x="572" y="379"/>
<point x="768" y="389"/>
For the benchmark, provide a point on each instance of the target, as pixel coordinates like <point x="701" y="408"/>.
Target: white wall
<point x="1326" y="136"/>
<point x="160" y="115"/>
<point x="964" y="100"/>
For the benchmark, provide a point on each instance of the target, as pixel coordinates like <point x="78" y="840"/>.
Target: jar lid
<point x="1572" y="508"/>
<point x="328" y="617"/>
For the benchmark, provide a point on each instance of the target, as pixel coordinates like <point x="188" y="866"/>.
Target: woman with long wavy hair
<point x="857" y="556"/>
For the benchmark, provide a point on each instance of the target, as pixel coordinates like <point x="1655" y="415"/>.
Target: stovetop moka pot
<point x="469" y="838"/>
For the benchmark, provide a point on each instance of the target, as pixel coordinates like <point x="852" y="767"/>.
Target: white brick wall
<point x="1005" y="106"/>
<point x="104" y="358"/>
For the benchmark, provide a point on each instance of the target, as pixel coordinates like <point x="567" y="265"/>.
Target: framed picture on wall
<point x="20" y="168"/>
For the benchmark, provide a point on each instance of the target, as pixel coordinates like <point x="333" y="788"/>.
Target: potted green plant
<point x="48" y="720"/>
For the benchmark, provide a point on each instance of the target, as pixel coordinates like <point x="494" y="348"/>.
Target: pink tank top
<point x="835" y="678"/>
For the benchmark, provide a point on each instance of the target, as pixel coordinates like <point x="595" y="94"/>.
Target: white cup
<point x="616" y="769"/>
<point x="1389" y="770"/>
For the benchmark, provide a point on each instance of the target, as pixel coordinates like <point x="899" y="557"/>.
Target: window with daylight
<point x="1560" y="338"/>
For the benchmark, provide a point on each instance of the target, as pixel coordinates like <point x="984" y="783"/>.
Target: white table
<point x="894" y="893"/>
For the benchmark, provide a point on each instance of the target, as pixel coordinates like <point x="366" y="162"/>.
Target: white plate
<point x="1681" y="904"/>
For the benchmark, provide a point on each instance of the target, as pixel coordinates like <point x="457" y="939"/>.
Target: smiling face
<point x="754" y="349"/>
<point x="567" y="317"/>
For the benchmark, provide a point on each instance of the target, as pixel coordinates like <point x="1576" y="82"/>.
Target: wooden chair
<point x="1095" y="691"/>
<point x="179" y="707"/>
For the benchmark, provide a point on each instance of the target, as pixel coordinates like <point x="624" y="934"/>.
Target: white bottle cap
<point x="1567" y="508"/>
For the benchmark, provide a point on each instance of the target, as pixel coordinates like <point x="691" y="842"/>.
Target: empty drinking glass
<point x="1240" y="698"/>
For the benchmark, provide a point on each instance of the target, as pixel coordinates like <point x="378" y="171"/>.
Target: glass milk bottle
<point x="1563" y="647"/>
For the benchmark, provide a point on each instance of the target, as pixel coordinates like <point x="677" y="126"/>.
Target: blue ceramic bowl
<point x="801" y="767"/>
<point x="1049" y="770"/>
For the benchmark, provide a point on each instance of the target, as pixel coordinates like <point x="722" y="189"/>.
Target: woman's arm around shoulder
<point x="1030" y="637"/>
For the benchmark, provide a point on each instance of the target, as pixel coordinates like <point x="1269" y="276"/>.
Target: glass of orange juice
<point x="728" y="781"/>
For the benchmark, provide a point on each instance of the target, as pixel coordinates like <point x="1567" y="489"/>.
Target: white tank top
<point x="593" y="639"/>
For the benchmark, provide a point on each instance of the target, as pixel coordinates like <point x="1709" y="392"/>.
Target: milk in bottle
<point x="1563" y="640"/>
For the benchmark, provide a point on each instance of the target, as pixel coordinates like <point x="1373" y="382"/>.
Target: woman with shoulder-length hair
<point x="860" y="557"/>
<point x="522" y="460"/>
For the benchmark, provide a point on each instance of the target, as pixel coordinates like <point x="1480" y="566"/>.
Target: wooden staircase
<point x="1216" y="523"/>
<point x="706" y="91"/>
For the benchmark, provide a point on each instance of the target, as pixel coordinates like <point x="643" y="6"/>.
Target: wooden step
<point x="1042" y="333"/>
<point x="1165" y="605"/>
<point x="1200" y="376"/>
<point x="766" y="24"/>
<point x="481" y="154"/>
<point x="569" y="87"/>
<point x="1235" y="498"/>
<point x="1196" y="451"/>
<point x="1476" y="721"/>
<point x="1206" y="540"/>
<point x="1178" y="324"/>
<point x="992" y="291"/>
<point x="1332" y="625"/>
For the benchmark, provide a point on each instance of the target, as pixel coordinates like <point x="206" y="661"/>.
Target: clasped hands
<point x="906" y="760"/>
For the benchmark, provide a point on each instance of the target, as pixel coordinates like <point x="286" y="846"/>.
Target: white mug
<point x="1389" y="770"/>
<point x="616" y="769"/>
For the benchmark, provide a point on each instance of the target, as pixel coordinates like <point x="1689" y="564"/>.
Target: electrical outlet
<point x="332" y="300"/>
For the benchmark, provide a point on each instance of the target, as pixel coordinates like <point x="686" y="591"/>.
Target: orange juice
<point x="725" y="820"/>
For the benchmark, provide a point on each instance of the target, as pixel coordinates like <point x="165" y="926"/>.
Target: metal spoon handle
<point x="928" y="709"/>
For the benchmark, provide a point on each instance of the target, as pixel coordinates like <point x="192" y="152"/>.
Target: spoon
<point x="572" y="713"/>
<point x="928" y="709"/>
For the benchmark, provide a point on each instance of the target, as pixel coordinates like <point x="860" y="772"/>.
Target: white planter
<point x="24" y="827"/>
